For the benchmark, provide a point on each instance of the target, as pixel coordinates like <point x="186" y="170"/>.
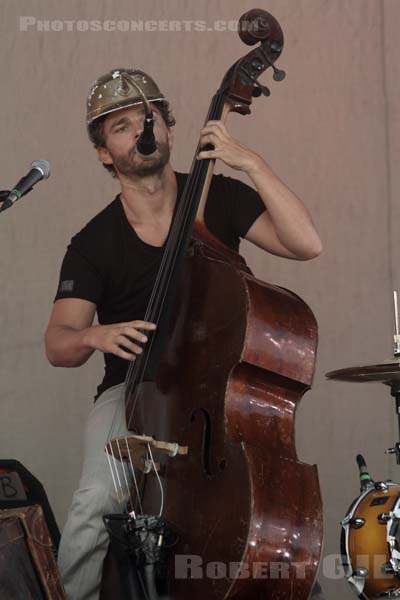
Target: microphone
<point x="146" y="144"/>
<point x="40" y="169"/>
<point x="366" y="480"/>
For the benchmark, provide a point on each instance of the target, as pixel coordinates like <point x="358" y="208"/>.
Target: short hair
<point x="96" y="129"/>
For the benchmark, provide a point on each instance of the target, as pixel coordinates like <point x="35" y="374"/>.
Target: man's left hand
<point x="230" y="151"/>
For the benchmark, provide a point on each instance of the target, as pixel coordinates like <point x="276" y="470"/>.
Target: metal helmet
<point x="118" y="89"/>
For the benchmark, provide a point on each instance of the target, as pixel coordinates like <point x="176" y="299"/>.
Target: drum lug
<point x="384" y="517"/>
<point x="357" y="580"/>
<point x="356" y="522"/>
<point x="381" y="486"/>
<point x="387" y="569"/>
<point x="361" y="573"/>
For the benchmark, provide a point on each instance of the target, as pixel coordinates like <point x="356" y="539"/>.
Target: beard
<point x="132" y="165"/>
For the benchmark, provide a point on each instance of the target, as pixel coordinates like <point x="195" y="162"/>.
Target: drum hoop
<point x="388" y="528"/>
<point x="348" y="568"/>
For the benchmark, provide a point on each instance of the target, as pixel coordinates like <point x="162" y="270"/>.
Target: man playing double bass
<point x="110" y="268"/>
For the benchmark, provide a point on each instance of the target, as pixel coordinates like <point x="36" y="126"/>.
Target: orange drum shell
<point x="367" y="546"/>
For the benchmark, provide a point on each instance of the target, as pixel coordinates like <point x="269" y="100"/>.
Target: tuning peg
<point x="259" y="89"/>
<point x="257" y="65"/>
<point x="276" y="46"/>
<point x="278" y="75"/>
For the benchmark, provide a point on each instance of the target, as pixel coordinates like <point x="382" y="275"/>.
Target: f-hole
<point x="206" y="446"/>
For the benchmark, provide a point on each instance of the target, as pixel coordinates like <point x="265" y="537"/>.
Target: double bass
<point x="219" y="505"/>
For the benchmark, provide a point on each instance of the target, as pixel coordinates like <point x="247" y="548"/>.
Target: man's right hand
<point x="119" y="338"/>
<point x="71" y="338"/>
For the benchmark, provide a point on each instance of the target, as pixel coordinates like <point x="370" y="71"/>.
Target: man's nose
<point x="138" y="133"/>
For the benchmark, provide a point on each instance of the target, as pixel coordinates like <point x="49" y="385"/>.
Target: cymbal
<point x="387" y="372"/>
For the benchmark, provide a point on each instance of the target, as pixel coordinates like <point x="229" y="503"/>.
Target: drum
<point x="370" y="542"/>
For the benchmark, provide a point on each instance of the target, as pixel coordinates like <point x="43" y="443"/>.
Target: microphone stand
<point x="6" y="200"/>
<point x="146" y="144"/>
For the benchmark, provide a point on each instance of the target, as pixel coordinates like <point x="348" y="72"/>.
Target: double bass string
<point x="153" y="311"/>
<point x="169" y="261"/>
<point x="141" y="363"/>
<point x="158" y="478"/>
<point x="133" y="376"/>
<point x="122" y="462"/>
<point x="128" y="474"/>
<point x="132" y="383"/>
<point x="133" y="367"/>
<point x="113" y="478"/>
<point x="134" y="478"/>
<point x="179" y="227"/>
<point x="158" y="294"/>
<point x="119" y="492"/>
<point x="177" y="234"/>
<point x="186" y="211"/>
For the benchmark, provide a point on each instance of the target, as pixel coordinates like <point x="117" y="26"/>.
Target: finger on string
<point x="122" y="354"/>
<point x="211" y="131"/>
<point x="215" y="123"/>
<point x="139" y="325"/>
<point x="125" y="344"/>
<point x="207" y="154"/>
<point x="132" y="333"/>
<point x="209" y="138"/>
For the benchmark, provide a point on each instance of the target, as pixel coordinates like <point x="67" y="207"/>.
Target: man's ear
<point x="170" y="134"/>
<point x="104" y="155"/>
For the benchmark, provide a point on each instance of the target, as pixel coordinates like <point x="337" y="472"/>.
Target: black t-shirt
<point x="107" y="262"/>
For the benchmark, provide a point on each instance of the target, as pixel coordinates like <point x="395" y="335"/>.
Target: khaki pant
<point x="84" y="541"/>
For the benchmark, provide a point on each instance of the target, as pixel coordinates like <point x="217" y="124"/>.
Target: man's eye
<point x="122" y="128"/>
